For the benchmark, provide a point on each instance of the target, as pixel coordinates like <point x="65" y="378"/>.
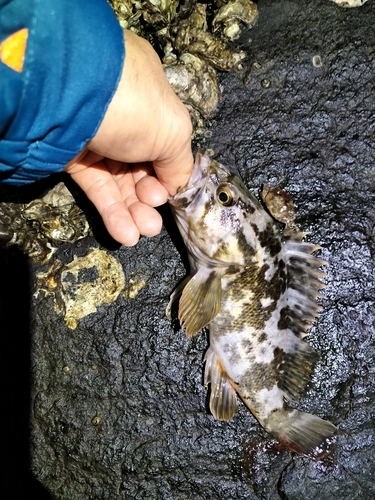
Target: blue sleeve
<point x="54" y="106"/>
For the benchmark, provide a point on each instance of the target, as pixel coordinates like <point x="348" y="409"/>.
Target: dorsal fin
<point x="304" y="284"/>
<point x="297" y="368"/>
<point x="200" y="300"/>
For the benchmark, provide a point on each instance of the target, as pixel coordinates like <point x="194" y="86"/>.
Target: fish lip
<point x="197" y="179"/>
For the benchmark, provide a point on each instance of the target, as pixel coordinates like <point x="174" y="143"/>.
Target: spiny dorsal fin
<point x="200" y="301"/>
<point x="223" y="398"/>
<point x="304" y="283"/>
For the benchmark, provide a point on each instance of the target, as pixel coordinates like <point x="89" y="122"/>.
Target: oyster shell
<point x="194" y="81"/>
<point x="346" y="4"/>
<point x="83" y="285"/>
<point x="40" y="226"/>
<point x="193" y="37"/>
<point x="159" y="13"/>
<point x="128" y="13"/>
<point x="231" y="14"/>
<point x="194" y="40"/>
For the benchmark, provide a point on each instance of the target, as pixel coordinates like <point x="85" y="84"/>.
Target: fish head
<point x="217" y="216"/>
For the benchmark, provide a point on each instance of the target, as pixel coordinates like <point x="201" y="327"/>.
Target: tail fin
<point x="300" y="431"/>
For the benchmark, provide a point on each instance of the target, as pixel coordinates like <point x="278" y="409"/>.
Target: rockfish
<point x="255" y="285"/>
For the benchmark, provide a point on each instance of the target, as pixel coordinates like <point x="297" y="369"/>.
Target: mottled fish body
<point x="255" y="286"/>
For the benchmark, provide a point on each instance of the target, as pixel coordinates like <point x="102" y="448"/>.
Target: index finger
<point x="103" y="190"/>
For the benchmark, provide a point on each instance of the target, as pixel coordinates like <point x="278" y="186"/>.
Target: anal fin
<point x="223" y="398"/>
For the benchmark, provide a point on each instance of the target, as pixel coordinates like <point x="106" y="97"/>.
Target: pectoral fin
<point x="175" y="295"/>
<point x="223" y="398"/>
<point x="200" y="301"/>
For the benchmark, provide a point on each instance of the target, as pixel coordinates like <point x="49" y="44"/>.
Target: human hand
<point x="146" y="131"/>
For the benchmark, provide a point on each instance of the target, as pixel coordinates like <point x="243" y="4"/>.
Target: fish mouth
<point x="198" y="178"/>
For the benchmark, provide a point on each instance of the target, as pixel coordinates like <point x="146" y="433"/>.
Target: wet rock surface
<point x="118" y="410"/>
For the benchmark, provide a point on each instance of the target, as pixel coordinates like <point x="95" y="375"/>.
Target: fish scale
<point x="254" y="283"/>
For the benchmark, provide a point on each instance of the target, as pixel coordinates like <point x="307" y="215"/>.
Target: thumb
<point x="174" y="173"/>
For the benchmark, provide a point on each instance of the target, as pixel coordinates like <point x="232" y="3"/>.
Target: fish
<point x="253" y="283"/>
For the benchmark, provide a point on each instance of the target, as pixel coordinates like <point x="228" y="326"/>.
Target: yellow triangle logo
<point x="13" y="48"/>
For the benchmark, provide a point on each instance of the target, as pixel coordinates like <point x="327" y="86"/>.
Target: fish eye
<point x="225" y="196"/>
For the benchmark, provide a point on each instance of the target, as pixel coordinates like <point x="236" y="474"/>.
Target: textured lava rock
<point x="118" y="406"/>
